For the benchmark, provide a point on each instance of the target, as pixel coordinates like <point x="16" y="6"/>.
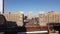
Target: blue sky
<point x="34" y="6"/>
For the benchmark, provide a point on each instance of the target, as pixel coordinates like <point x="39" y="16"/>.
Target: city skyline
<point x="33" y="6"/>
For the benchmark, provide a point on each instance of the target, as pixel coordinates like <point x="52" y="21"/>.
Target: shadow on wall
<point x="10" y="27"/>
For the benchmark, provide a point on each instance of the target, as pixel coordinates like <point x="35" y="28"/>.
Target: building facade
<point x="30" y="15"/>
<point x="50" y="17"/>
<point x="15" y="17"/>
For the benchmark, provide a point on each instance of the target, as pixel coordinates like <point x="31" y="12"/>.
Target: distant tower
<point x="1" y="6"/>
<point x="30" y="16"/>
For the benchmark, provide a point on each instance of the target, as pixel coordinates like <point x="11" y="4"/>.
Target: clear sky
<point x="34" y="6"/>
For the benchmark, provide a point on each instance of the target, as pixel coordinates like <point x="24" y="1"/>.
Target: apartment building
<point x="15" y="17"/>
<point x="53" y="17"/>
<point x="42" y="19"/>
<point x="50" y="17"/>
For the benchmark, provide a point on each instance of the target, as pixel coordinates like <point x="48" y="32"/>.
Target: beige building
<point x="30" y="16"/>
<point x="42" y="19"/>
<point x="50" y="17"/>
<point x="15" y="17"/>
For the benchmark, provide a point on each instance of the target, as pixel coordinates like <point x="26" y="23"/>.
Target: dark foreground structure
<point x="10" y="27"/>
<point x="56" y="26"/>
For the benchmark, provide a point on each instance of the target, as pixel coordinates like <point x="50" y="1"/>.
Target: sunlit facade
<point x="15" y="17"/>
<point x="50" y="17"/>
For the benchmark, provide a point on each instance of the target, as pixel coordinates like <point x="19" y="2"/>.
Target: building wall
<point x="42" y="19"/>
<point x="50" y="17"/>
<point x="15" y="17"/>
<point x="53" y="17"/>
